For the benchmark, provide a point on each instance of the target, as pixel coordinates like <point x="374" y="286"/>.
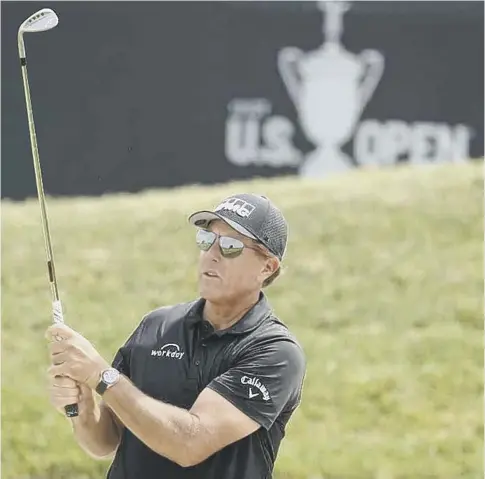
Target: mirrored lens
<point x="230" y="247"/>
<point x="205" y="239"/>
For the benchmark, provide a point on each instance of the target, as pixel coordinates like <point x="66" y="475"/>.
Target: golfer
<point x="200" y="390"/>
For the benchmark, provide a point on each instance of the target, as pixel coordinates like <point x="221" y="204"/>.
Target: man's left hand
<point x="74" y="356"/>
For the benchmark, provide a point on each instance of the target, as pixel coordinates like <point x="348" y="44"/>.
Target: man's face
<point x="235" y="277"/>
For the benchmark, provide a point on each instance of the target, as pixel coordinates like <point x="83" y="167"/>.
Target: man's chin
<point x="212" y="294"/>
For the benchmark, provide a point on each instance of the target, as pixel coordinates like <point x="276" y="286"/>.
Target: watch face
<point x="110" y="375"/>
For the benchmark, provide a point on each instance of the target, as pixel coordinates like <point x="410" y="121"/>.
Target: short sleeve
<point x="122" y="358"/>
<point x="266" y="381"/>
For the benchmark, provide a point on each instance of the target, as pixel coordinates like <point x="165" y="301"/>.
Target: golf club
<point x="43" y="20"/>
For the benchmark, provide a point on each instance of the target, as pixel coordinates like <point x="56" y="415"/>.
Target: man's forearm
<point x="96" y="431"/>
<point x="168" y="430"/>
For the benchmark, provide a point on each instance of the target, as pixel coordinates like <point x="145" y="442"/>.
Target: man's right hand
<point x="96" y="429"/>
<point x="64" y="391"/>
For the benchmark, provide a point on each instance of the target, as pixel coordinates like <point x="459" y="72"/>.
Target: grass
<point x="383" y="287"/>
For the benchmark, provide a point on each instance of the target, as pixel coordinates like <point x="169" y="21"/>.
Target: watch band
<point x="101" y="387"/>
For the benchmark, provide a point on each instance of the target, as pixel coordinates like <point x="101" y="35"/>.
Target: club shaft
<point x="71" y="410"/>
<point x="40" y="185"/>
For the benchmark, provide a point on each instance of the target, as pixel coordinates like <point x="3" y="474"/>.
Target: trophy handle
<point x="288" y="66"/>
<point x="375" y="67"/>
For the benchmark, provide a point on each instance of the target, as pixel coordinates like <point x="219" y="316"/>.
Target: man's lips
<point x="210" y="274"/>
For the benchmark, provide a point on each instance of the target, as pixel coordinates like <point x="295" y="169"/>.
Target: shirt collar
<point x="260" y="311"/>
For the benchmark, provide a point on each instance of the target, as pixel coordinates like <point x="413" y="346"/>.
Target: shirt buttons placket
<point x="205" y="329"/>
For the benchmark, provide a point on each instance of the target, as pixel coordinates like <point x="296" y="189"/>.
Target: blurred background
<point x="135" y="95"/>
<point x="362" y="120"/>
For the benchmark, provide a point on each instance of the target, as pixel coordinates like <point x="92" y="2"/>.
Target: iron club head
<point x="44" y="19"/>
<point x="40" y="21"/>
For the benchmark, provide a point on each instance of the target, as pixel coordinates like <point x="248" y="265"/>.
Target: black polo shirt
<point x="257" y="365"/>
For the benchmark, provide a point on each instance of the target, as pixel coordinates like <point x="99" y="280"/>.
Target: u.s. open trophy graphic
<point x="330" y="87"/>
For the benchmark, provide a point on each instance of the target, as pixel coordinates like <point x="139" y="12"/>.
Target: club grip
<point x="72" y="410"/>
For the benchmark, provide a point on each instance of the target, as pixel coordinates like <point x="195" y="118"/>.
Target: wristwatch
<point x="109" y="377"/>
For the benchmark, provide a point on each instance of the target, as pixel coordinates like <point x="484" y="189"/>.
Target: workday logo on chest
<point x="170" y="351"/>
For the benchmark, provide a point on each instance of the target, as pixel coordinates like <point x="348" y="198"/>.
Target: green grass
<point x="383" y="287"/>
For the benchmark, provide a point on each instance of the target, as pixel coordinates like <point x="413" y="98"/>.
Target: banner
<point x="135" y="95"/>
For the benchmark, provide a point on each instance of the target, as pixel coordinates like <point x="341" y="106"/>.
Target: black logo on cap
<point x="240" y="207"/>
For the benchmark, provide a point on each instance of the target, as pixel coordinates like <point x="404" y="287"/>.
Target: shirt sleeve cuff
<point x="240" y="404"/>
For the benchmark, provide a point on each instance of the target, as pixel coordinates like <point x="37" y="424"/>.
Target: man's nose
<point x="214" y="252"/>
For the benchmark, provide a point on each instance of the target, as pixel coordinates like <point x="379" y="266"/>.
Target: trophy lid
<point x="333" y="13"/>
<point x="331" y="59"/>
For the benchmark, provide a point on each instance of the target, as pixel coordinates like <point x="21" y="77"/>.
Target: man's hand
<point x="64" y="391"/>
<point x="74" y="356"/>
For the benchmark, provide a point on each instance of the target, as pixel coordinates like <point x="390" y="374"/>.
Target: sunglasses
<point x="229" y="247"/>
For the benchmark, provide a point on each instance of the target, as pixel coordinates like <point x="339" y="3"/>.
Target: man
<point x="202" y="389"/>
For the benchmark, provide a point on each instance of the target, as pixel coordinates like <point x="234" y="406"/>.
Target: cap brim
<point x="202" y="218"/>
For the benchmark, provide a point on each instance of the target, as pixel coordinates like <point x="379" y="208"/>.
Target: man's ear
<point x="270" y="266"/>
